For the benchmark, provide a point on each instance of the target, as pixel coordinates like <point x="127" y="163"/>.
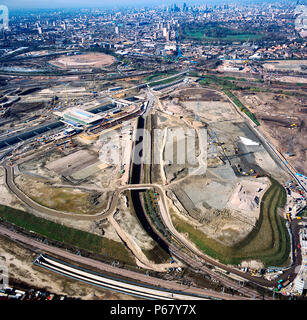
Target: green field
<point x="165" y="81"/>
<point x="58" y="232"/>
<point x="159" y="76"/>
<point x="217" y="33"/>
<point x="242" y="108"/>
<point x="269" y="240"/>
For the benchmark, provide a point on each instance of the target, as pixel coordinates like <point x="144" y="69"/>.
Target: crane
<point x="196" y="116"/>
<point x="65" y="85"/>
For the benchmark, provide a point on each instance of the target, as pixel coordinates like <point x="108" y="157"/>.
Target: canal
<point x="137" y="194"/>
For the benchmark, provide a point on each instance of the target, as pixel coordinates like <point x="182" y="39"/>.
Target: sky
<point x="37" y="4"/>
<point x="19" y="4"/>
<point x="16" y="4"/>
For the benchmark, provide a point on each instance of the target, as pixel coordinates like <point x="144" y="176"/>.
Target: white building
<point x="4" y="16"/>
<point x="78" y="117"/>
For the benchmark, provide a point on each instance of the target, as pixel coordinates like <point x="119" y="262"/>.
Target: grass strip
<point x="268" y="241"/>
<point x="70" y="236"/>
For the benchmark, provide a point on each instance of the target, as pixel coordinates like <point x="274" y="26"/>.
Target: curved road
<point x="171" y="285"/>
<point x="198" y="264"/>
<point x="9" y="174"/>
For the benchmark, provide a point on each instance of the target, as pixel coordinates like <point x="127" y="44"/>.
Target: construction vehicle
<point x="71" y="142"/>
<point x="286" y="283"/>
<point x="59" y="147"/>
<point x="219" y="144"/>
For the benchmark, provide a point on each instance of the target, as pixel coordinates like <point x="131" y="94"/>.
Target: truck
<point x="286" y="283"/>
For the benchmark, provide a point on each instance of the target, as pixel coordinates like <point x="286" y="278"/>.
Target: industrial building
<point x="77" y="117"/>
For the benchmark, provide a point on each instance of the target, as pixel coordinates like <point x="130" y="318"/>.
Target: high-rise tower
<point x="4" y="17"/>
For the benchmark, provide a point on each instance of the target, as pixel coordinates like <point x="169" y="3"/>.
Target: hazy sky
<point x="75" y="3"/>
<point x="16" y="4"/>
<point x="19" y="4"/>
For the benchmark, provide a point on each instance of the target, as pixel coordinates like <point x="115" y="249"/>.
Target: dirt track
<point x="96" y="60"/>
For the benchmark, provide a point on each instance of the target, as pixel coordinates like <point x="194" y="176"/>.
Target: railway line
<point x="196" y="260"/>
<point x="127" y="287"/>
<point x="170" y="286"/>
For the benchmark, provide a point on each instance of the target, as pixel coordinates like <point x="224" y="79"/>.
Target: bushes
<point x="242" y="108"/>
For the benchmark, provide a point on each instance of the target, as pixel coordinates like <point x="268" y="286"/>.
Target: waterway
<point x="137" y="194"/>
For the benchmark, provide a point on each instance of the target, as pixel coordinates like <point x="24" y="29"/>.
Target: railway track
<point x="126" y="287"/>
<point x="170" y="286"/>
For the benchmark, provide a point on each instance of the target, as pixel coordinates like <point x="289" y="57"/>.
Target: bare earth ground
<point x="289" y="65"/>
<point x="277" y="113"/>
<point x="130" y="224"/>
<point x="96" y="60"/>
<point x="222" y="203"/>
<point x="8" y="199"/>
<point x="20" y="266"/>
<point x="72" y="200"/>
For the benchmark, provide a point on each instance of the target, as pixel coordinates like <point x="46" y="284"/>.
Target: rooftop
<point x="80" y="116"/>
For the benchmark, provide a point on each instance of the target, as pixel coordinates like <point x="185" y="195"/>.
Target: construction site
<point x="222" y="203"/>
<point x="283" y="117"/>
<point x="158" y="152"/>
<point x="70" y="162"/>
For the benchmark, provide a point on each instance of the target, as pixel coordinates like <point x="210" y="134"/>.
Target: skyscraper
<point x="4" y="16"/>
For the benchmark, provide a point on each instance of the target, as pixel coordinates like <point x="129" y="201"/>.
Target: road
<point x="291" y="272"/>
<point x="170" y="285"/>
<point x="146" y="84"/>
<point x="111" y="210"/>
<point x="112" y="206"/>
<point x="270" y="147"/>
<point x="198" y="258"/>
<point x="279" y="157"/>
<point x="167" y="221"/>
<point x="196" y="263"/>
